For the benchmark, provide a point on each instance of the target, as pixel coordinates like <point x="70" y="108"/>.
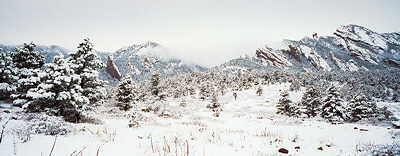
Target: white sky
<point x="207" y="32"/>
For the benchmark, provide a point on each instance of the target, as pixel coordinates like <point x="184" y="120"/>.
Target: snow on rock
<point x="368" y="50"/>
<point x="316" y="60"/>
<point x="273" y="58"/>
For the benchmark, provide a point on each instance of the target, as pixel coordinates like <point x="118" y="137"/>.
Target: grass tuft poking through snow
<point x="248" y="125"/>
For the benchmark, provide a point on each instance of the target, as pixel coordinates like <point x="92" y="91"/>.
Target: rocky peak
<point x="112" y="69"/>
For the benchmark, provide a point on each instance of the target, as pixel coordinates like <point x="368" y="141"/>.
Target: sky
<point x="207" y="32"/>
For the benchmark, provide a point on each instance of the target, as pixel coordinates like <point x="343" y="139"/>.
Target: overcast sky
<point x="203" y="31"/>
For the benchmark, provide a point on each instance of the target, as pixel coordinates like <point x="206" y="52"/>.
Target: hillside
<point x="350" y="48"/>
<point x="140" y="60"/>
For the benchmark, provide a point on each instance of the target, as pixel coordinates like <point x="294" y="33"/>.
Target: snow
<point x="247" y="126"/>
<point x="351" y="65"/>
<point x="363" y="34"/>
<point x="337" y="62"/>
<point x="310" y="54"/>
<point x="370" y="37"/>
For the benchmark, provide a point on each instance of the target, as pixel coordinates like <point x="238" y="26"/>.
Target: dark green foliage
<point x="310" y="102"/>
<point x="362" y="107"/>
<point x="125" y="95"/>
<point x="7" y="78"/>
<point x="215" y="106"/>
<point x="259" y="91"/>
<point x="285" y="105"/>
<point x="333" y="107"/>
<point x="295" y="85"/>
<point x="86" y="65"/>
<point x="28" y="63"/>
<point x="27" y="57"/>
<point x="155" y="81"/>
<point x="59" y="92"/>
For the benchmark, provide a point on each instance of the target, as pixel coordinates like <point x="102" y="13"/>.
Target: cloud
<point x="206" y="32"/>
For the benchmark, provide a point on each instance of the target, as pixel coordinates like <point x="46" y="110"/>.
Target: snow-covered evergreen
<point x="86" y="63"/>
<point x="333" y="106"/>
<point x="125" y="94"/>
<point x="7" y="78"/>
<point x="285" y="105"/>
<point x="259" y="91"/>
<point x="215" y="106"/>
<point x="295" y="85"/>
<point x="310" y="103"/>
<point x="362" y="107"/>
<point x="28" y="63"/>
<point x="206" y="90"/>
<point x="59" y="92"/>
<point x="155" y="81"/>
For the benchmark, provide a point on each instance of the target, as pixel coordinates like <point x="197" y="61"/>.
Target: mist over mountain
<point x="140" y="60"/>
<point x="349" y="48"/>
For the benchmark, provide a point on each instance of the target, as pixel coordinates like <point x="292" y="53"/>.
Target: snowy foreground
<point x="247" y="126"/>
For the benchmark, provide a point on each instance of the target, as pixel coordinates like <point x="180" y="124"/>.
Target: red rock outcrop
<point x="270" y="57"/>
<point x="112" y="69"/>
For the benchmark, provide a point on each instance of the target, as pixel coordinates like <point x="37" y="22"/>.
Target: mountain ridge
<point x="350" y="48"/>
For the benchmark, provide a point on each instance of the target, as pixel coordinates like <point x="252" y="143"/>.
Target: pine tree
<point x="259" y="91"/>
<point x="86" y="65"/>
<point x="310" y="102"/>
<point x="156" y="97"/>
<point x="59" y="92"/>
<point x="7" y="78"/>
<point x="215" y="106"/>
<point x="205" y="90"/>
<point x="125" y="95"/>
<point x="27" y="57"/>
<point x="183" y="103"/>
<point x="285" y="105"/>
<point x="155" y="81"/>
<point x="295" y="85"/>
<point x="134" y="119"/>
<point x="333" y="107"/>
<point x="28" y="64"/>
<point x="361" y="107"/>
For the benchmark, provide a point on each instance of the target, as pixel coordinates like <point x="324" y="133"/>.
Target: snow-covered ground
<point x="247" y="126"/>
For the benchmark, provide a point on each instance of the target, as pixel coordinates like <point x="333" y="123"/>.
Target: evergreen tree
<point x="259" y="91"/>
<point x="59" y="91"/>
<point x="134" y="119"/>
<point x="155" y="81"/>
<point x="183" y="103"/>
<point x="28" y="63"/>
<point x="333" y="107"/>
<point x="361" y="107"/>
<point x="295" y="85"/>
<point x="310" y="102"/>
<point x="205" y="90"/>
<point x="215" y="106"/>
<point x="7" y="78"/>
<point x="27" y="57"/>
<point x="86" y="65"/>
<point x="285" y="105"/>
<point x="125" y="95"/>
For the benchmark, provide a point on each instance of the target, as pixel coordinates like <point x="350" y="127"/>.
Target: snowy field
<point x="246" y="126"/>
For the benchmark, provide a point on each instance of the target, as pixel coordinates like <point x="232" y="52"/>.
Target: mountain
<point x="140" y="60"/>
<point x="350" y="48"/>
<point x="48" y="51"/>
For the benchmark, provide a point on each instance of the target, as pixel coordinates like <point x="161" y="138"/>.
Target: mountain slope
<point x="140" y="60"/>
<point x="48" y="51"/>
<point x="351" y="48"/>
